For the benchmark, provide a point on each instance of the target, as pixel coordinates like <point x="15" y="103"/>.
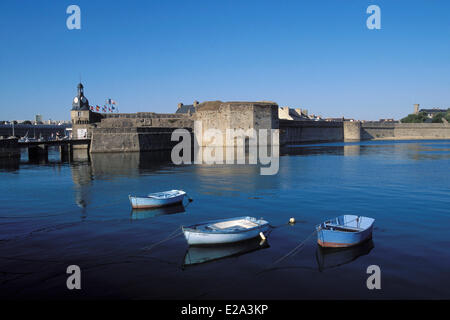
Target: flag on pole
<point x="98" y="108"/>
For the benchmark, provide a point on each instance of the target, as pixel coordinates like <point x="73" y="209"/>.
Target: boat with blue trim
<point x="158" y="199"/>
<point x="225" y="231"/>
<point x="344" y="231"/>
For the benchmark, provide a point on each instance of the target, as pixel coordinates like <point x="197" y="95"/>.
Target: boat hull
<point x="148" y="203"/>
<point x="338" y="239"/>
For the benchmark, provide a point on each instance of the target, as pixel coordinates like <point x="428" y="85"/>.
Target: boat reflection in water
<point x="202" y="254"/>
<point x="138" y="214"/>
<point x="334" y="257"/>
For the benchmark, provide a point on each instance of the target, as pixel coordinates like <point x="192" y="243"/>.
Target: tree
<point x="437" y="118"/>
<point x="415" y="118"/>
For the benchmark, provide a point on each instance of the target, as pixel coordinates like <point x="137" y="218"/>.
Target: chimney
<point x="416" y="108"/>
<point x="180" y="105"/>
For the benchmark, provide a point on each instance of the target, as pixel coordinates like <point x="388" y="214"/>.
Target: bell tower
<point x="81" y="115"/>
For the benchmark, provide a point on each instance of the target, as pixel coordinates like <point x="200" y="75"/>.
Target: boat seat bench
<point x="341" y="228"/>
<point x="245" y="224"/>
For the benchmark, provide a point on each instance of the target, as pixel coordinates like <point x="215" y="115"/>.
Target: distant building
<point x="38" y="118"/>
<point x="335" y="119"/>
<point x="187" y="108"/>
<point x="430" y="112"/>
<point x="387" y="120"/>
<point x="286" y="113"/>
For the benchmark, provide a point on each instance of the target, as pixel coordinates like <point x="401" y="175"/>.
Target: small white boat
<point x="158" y="199"/>
<point x="225" y="231"/>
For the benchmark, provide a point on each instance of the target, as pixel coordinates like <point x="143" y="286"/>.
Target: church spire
<point x="80" y="90"/>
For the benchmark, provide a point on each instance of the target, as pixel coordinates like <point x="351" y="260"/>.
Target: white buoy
<point x="291" y="220"/>
<point x="262" y="236"/>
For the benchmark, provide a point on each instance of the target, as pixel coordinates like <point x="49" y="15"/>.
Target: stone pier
<point x="38" y="153"/>
<point x="9" y="148"/>
<point x="66" y="152"/>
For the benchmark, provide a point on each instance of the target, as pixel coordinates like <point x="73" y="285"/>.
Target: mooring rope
<point x="171" y="236"/>
<point x="301" y="244"/>
<point x="293" y="250"/>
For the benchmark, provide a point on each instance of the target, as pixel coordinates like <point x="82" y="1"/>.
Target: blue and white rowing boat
<point x="225" y="231"/>
<point x="344" y="231"/>
<point x="158" y="199"/>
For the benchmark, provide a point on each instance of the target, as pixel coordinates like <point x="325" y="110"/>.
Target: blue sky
<point x="150" y="55"/>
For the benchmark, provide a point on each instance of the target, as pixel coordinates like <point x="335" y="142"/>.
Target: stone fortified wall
<point x="148" y="131"/>
<point x="352" y="130"/>
<point x="292" y="132"/>
<point x="235" y="115"/>
<point x="404" y="131"/>
<point x="130" y="133"/>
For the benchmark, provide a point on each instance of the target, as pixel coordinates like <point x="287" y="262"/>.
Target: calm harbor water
<point x="54" y="214"/>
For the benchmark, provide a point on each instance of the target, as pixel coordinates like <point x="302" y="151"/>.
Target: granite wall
<point x="404" y="131"/>
<point x="131" y="139"/>
<point x="292" y="132"/>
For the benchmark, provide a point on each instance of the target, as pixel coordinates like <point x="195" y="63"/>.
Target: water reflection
<point x="128" y="163"/>
<point x="415" y="150"/>
<point x="352" y="150"/>
<point x="214" y="179"/>
<point x="82" y="179"/>
<point x="9" y="164"/>
<point x="138" y="214"/>
<point x="81" y="154"/>
<point x="198" y="255"/>
<point x="334" y="257"/>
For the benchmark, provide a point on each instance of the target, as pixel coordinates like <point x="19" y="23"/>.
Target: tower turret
<point x="80" y="102"/>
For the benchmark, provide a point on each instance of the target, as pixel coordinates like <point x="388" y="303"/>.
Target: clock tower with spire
<point x="81" y="115"/>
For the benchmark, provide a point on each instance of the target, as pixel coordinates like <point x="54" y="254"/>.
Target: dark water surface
<point x="55" y="214"/>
